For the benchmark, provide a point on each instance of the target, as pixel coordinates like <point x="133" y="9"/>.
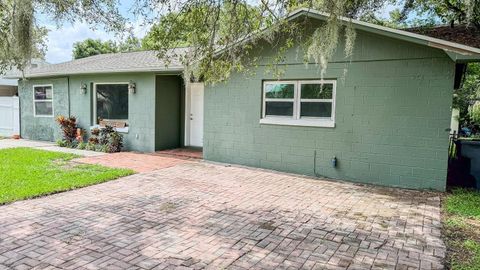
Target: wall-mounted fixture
<point x="132" y="87"/>
<point x="334" y="162"/>
<point x="83" y="88"/>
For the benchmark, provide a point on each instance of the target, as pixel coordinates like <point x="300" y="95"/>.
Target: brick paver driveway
<point x="200" y="215"/>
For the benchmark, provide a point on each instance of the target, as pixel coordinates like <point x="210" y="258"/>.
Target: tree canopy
<point x="467" y="95"/>
<point x="20" y="36"/>
<point x="209" y="25"/>
<point x="89" y="47"/>
<point x="466" y="12"/>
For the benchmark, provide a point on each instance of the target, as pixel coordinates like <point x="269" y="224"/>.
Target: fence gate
<point x="9" y="116"/>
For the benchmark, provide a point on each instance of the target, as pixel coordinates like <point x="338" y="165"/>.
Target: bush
<point x="105" y="134"/>
<point x="95" y="132"/>
<point x="72" y="144"/>
<point x="103" y="140"/>
<point x="90" y="146"/>
<point x="62" y="143"/>
<point x="475" y="113"/>
<point x="101" y="148"/>
<point x="82" y="145"/>
<point x="68" y="127"/>
<point x="111" y="139"/>
<point x="115" y="142"/>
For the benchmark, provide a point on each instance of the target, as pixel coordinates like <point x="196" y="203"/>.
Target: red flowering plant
<point x="69" y="127"/>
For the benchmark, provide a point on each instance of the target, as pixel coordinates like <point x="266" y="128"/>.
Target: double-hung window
<point x="299" y="103"/>
<point x="43" y="100"/>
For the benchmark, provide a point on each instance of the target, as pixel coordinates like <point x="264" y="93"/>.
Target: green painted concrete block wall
<point x="141" y="114"/>
<point x="42" y="128"/>
<point x="392" y="108"/>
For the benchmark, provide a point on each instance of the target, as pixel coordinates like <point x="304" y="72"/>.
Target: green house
<point x="381" y="116"/>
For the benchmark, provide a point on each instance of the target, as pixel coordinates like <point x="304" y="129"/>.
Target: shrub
<point x="68" y="125"/>
<point x="72" y="144"/>
<point x="62" y="143"/>
<point x="101" y="140"/>
<point x="93" y="140"/>
<point x="105" y="134"/>
<point x="82" y="145"/>
<point x="475" y="113"/>
<point x="95" y="132"/>
<point x="90" y="146"/>
<point x="79" y="135"/>
<point x="101" y="148"/>
<point x="115" y="142"/>
<point x="111" y="139"/>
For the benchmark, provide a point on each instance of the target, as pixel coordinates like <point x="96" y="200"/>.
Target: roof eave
<point x="90" y="72"/>
<point x="460" y="58"/>
<point x="465" y="53"/>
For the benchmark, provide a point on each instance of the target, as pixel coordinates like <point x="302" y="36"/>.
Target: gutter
<point x="464" y="52"/>
<point x="94" y="72"/>
<point x="447" y="46"/>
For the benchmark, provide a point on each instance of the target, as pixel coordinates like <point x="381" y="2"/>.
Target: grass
<point x="28" y="173"/>
<point x="461" y="223"/>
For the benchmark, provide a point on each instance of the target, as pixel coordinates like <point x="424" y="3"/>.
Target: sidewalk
<point x="49" y="146"/>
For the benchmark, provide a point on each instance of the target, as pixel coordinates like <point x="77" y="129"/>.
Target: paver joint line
<point x="198" y="215"/>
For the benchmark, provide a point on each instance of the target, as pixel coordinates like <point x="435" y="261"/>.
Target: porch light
<point x="83" y="89"/>
<point x="132" y="88"/>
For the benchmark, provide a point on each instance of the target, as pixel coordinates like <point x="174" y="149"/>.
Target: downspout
<point x="68" y="94"/>
<point x="20" y="106"/>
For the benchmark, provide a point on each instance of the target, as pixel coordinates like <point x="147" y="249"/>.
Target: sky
<point x="60" y="40"/>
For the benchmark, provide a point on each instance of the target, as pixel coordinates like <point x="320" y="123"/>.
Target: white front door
<point x="196" y="114"/>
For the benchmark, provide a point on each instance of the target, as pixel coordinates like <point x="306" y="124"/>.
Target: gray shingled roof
<point x="142" y="61"/>
<point x="10" y="76"/>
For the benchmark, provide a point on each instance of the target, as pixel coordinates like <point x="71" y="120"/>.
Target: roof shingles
<point x="461" y="34"/>
<point x="141" y="61"/>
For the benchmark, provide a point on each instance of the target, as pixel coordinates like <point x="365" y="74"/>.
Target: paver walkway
<point x="199" y="215"/>
<point x="183" y="152"/>
<point x="135" y="161"/>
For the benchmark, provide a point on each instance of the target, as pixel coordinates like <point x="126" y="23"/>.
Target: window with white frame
<point x="43" y="100"/>
<point x="111" y="101"/>
<point x="299" y="102"/>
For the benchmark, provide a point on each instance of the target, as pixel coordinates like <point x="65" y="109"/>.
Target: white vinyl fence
<point x="9" y="116"/>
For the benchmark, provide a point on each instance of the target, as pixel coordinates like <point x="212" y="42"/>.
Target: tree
<point x="208" y="25"/>
<point x="158" y="31"/>
<point x="20" y="37"/>
<point x="131" y="44"/>
<point x="215" y="24"/>
<point x="184" y="35"/>
<point x="467" y="94"/>
<point x="90" y="47"/>
<point x="447" y="11"/>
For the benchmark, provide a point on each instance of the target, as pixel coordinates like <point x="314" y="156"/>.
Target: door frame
<point x="188" y="103"/>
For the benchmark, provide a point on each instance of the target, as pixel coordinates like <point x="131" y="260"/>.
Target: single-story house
<point x="381" y="116"/>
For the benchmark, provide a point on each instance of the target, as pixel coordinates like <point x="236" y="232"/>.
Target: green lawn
<point x="27" y="173"/>
<point x="462" y="229"/>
